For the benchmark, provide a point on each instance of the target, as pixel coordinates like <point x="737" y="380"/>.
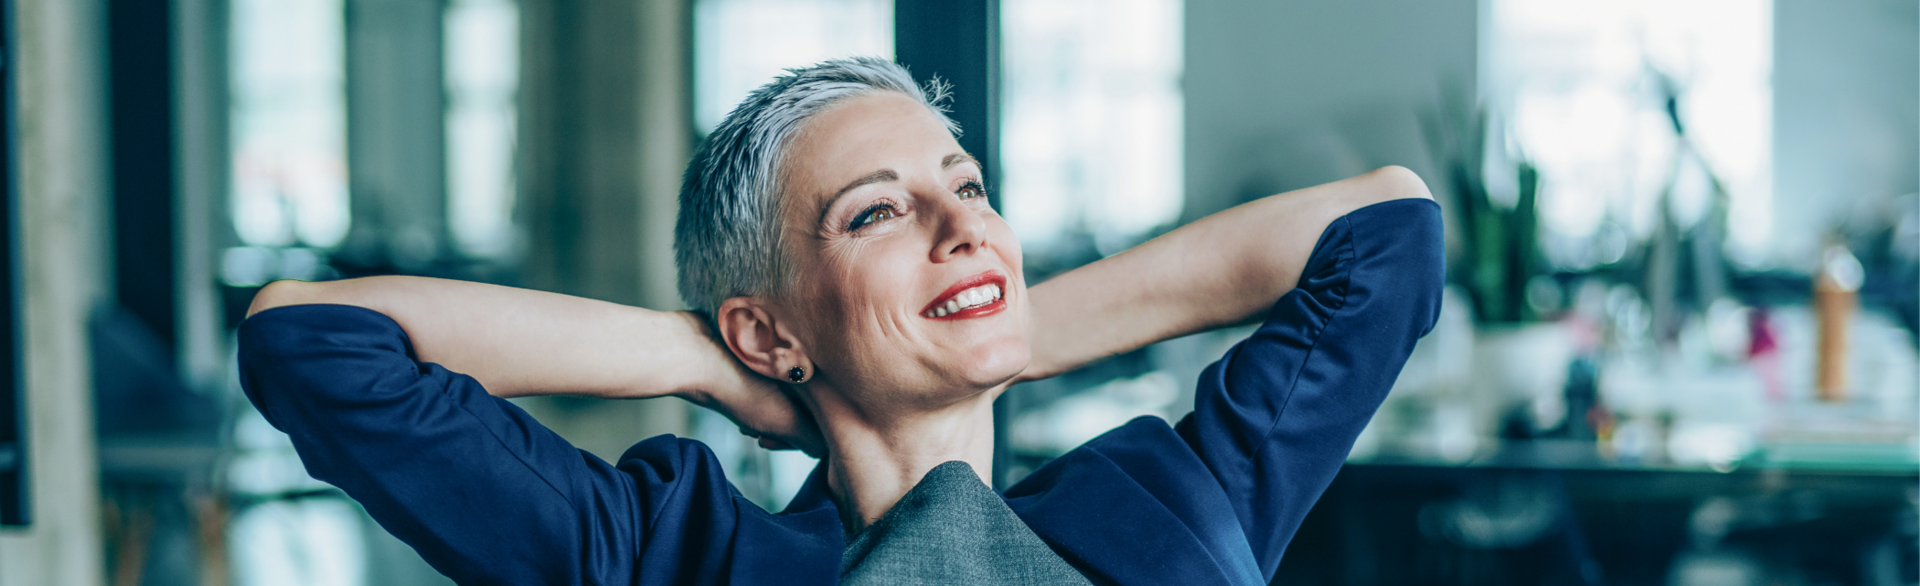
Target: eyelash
<point x="862" y="221"/>
<point x="978" y="189"/>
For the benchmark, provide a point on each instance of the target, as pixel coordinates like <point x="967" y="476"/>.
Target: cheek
<point x="866" y="288"/>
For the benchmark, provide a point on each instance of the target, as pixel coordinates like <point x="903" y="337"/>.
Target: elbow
<point x="279" y="294"/>
<point x="1411" y="242"/>
<point x="1396" y="182"/>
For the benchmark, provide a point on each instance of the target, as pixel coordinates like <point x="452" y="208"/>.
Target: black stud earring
<point x="796" y="374"/>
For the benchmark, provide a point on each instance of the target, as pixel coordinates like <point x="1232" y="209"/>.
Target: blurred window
<point x="1586" y="86"/>
<point x="482" y="77"/>
<point x="738" y="46"/>
<point x="289" y="123"/>
<point x="1091" y="131"/>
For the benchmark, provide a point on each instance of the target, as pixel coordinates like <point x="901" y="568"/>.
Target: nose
<point x="959" y="230"/>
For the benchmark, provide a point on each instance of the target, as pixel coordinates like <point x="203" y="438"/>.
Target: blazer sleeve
<point x="473" y="483"/>
<point x="1275" y="417"/>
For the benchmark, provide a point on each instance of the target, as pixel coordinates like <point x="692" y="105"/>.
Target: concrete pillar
<point x="1288" y="94"/>
<point x="665" y="101"/>
<point x="396" y="134"/>
<point x="62" y="185"/>
<point x="1846" y="79"/>
<point x="201" y="154"/>
<point x="605" y="132"/>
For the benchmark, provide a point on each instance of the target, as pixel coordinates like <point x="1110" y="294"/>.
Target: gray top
<point x="952" y="529"/>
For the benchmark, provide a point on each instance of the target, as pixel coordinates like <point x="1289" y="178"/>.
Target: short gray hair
<point x="727" y="240"/>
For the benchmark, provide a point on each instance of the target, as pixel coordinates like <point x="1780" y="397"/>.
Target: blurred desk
<point x="1590" y="476"/>
<point x="1561" y="511"/>
<point x="1718" y="480"/>
<point x="1892" y="460"/>
<point x="172" y="459"/>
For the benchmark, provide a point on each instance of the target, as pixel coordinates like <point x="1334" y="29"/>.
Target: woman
<point x="834" y="237"/>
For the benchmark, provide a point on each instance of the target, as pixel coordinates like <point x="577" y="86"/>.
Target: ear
<point x="759" y="340"/>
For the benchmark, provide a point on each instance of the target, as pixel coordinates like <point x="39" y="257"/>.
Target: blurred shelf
<point x="1893" y="460"/>
<point x="165" y="458"/>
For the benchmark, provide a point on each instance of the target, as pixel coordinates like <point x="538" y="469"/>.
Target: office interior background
<point x="1678" y="345"/>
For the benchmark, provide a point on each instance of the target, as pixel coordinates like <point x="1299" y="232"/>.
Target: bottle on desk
<point x="1836" y="295"/>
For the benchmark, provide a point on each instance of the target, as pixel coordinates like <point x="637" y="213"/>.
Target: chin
<point x="997" y="361"/>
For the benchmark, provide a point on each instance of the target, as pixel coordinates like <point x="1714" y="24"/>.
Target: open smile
<point x="976" y="296"/>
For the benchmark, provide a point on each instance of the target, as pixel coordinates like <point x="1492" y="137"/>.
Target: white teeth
<point x="974" y="297"/>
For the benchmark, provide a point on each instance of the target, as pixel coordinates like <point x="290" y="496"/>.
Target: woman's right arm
<point x="484" y="492"/>
<point x="520" y="342"/>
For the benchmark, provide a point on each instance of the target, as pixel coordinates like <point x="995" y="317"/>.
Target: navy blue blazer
<point x="489" y="496"/>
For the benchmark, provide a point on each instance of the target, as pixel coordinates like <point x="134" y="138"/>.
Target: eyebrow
<point x="881" y="176"/>
<point x="886" y="175"/>
<point x="957" y="158"/>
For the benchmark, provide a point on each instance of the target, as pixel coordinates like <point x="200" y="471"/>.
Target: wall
<point x="1287" y="94"/>
<point x="605" y="131"/>
<point x="1846" y="114"/>
<point x="62" y="186"/>
<point x="395" y="132"/>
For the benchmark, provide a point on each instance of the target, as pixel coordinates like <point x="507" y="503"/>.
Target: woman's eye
<point x="873" y="214"/>
<point x="970" y="190"/>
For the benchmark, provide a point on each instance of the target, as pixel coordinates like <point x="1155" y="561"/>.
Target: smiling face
<point x="909" y="290"/>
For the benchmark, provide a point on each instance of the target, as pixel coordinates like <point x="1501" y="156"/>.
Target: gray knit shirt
<point x="952" y="529"/>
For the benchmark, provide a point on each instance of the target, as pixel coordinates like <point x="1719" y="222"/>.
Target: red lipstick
<point x="996" y="306"/>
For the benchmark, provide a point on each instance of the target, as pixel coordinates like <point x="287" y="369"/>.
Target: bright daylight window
<point x="1586" y="84"/>
<point x="289" y="123"/>
<point x="740" y="45"/>
<point x="482" y="76"/>
<point x="1091" y="131"/>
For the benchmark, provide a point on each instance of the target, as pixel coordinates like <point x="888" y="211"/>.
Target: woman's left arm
<point x="1217" y="271"/>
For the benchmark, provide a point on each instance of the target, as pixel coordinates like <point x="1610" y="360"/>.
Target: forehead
<point x="861" y="135"/>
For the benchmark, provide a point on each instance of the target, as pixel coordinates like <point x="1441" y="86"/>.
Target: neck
<point x="875" y="460"/>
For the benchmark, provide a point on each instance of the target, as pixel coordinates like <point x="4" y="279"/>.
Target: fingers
<point x="768" y="441"/>
<point x="780" y="445"/>
<point x="764" y="412"/>
<point x="778" y="423"/>
<point x="798" y="433"/>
